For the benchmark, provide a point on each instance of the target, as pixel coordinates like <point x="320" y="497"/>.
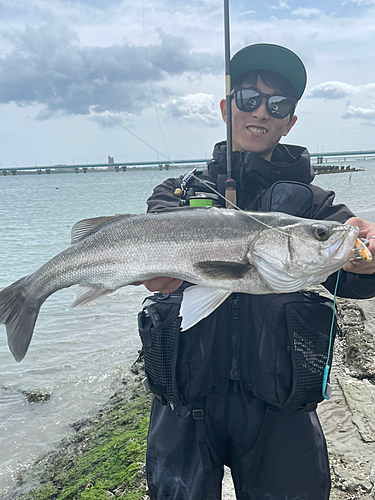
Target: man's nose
<point x="261" y="112"/>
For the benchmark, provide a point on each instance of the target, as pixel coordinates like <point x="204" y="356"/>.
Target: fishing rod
<point x="230" y="184"/>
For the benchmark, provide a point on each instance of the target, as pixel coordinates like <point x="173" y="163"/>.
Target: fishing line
<point x="326" y="388"/>
<point x="149" y="79"/>
<point x="69" y="79"/>
<point x="118" y="122"/>
<point x="208" y="185"/>
<point x="281" y="231"/>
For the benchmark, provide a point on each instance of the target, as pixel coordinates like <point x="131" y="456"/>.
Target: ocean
<point x="80" y="356"/>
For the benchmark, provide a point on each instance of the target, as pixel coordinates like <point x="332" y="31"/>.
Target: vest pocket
<point x="178" y="365"/>
<point x="289" y="349"/>
<point x="159" y="350"/>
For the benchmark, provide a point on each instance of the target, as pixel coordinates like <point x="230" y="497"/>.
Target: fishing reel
<point x="195" y="195"/>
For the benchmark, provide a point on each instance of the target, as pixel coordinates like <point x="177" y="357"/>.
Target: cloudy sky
<point x="79" y="79"/>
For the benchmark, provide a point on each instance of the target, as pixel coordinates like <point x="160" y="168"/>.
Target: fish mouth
<point x="342" y="248"/>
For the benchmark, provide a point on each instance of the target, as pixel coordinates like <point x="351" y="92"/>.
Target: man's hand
<point x="162" y="284"/>
<point x="366" y="230"/>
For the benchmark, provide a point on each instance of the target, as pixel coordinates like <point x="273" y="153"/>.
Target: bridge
<point x="86" y="167"/>
<point x="344" y="154"/>
<point x="123" y="166"/>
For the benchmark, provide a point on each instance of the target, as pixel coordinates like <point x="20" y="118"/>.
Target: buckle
<point x="197" y="414"/>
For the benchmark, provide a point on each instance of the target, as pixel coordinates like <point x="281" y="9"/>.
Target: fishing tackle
<point x="361" y="249"/>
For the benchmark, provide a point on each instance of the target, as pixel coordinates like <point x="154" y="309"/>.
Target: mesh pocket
<point x="286" y="354"/>
<point x="310" y="349"/>
<point x="160" y="360"/>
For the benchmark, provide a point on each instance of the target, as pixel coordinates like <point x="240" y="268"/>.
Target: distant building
<point x="110" y="160"/>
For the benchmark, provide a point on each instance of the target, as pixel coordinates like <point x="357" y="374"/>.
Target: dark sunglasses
<point x="278" y="106"/>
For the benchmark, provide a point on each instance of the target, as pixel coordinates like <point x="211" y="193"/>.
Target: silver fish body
<point x="230" y="250"/>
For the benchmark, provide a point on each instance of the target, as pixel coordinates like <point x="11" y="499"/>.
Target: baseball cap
<point x="271" y="57"/>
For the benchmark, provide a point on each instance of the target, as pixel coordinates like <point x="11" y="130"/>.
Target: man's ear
<point x="290" y="125"/>
<point x="223" y="109"/>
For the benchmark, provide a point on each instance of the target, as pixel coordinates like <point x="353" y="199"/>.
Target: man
<point x="273" y="452"/>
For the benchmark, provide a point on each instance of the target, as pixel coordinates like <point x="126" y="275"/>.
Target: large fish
<point x="223" y="250"/>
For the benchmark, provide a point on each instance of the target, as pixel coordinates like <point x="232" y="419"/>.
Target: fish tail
<point x="19" y="316"/>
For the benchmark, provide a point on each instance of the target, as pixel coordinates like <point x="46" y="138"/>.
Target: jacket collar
<point x="287" y="163"/>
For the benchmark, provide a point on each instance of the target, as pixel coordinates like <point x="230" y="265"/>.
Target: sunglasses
<point x="278" y="106"/>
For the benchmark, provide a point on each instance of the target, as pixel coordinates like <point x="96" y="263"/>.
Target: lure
<point x="360" y="249"/>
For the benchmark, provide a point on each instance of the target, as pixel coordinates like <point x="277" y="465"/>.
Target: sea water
<point x="80" y="356"/>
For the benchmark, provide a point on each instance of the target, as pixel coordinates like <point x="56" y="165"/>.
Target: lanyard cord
<point x="326" y="387"/>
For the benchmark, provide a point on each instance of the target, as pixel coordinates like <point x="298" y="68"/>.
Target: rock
<point x="347" y="420"/>
<point x="36" y="396"/>
<point x="360" y="397"/>
<point x="359" y="354"/>
<point x="348" y="475"/>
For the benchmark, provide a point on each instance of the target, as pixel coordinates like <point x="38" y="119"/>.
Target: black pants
<point x="293" y="466"/>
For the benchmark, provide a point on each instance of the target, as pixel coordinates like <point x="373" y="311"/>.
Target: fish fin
<point x="198" y="302"/>
<point x="85" y="294"/>
<point x="87" y="227"/>
<point x="19" y="317"/>
<point x="278" y="281"/>
<point x="221" y="270"/>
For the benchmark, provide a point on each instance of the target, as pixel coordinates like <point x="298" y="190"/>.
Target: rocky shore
<point x="348" y="419"/>
<point x="106" y="457"/>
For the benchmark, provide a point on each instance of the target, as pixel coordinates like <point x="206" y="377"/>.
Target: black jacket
<point x="227" y="336"/>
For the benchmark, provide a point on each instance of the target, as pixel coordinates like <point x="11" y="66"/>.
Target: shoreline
<point x="105" y="458"/>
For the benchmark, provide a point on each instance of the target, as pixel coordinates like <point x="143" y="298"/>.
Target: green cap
<point x="271" y="57"/>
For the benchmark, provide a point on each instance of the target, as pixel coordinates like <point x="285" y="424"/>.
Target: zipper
<point x="234" y="339"/>
<point x="263" y="333"/>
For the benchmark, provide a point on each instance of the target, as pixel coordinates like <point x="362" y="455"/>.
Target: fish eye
<point x="321" y="233"/>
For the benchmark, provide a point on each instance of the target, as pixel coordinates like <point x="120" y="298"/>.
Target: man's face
<point x="256" y="131"/>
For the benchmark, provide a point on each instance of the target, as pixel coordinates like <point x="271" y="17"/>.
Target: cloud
<point x="105" y="119"/>
<point x="306" y="12"/>
<point x="337" y="90"/>
<point x="48" y="66"/>
<point x="332" y="90"/>
<point x="361" y="2"/>
<point x="364" y="113"/>
<point x="247" y="13"/>
<point x="198" y="108"/>
<point x="281" y="5"/>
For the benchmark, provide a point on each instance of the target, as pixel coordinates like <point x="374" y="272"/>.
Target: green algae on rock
<point x="104" y="461"/>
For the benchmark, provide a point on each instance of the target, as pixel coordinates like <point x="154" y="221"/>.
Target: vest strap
<point x="198" y="416"/>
